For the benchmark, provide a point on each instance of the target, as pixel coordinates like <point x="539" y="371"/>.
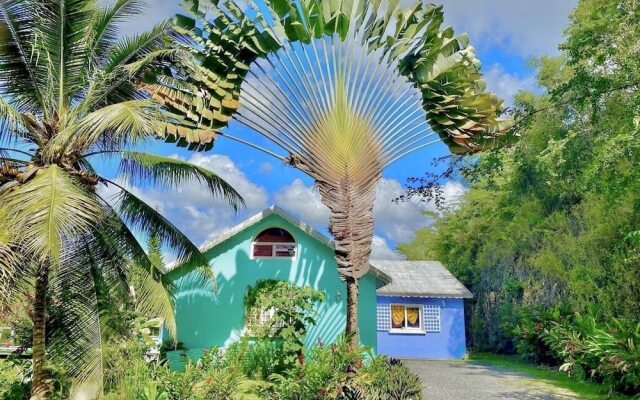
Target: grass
<point x="584" y="390"/>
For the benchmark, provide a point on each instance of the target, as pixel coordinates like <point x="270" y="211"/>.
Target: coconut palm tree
<point x="345" y="88"/>
<point x="70" y="96"/>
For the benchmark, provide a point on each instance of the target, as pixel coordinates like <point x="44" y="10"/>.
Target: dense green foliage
<point x="233" y="375"/>
<point x="270" y="362"/>
<point x="267" y="363"/>
<point x="293" y="310"/>
<point x="553" y="220"/>
<point x="603" y="351"/>
<point x="70" y="91"/>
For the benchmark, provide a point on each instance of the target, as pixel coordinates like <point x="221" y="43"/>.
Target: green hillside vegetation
<point x="548" y="235"/>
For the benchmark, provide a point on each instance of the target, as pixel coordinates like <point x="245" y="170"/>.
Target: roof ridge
<point x="419" y="279"/>
<point x="254" y="219"/>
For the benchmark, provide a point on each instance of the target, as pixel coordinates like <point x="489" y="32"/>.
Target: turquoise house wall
<point x="204" y="320"/>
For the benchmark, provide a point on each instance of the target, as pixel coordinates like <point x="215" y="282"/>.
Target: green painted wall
<point x="204" y="320"/>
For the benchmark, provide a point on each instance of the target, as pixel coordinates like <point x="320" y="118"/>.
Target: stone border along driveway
<point x="468" y="380"/>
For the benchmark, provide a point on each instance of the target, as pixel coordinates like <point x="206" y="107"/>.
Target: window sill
<point x="408" y="331"/>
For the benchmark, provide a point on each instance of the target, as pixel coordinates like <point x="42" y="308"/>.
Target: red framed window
<point x="274" y="243"/>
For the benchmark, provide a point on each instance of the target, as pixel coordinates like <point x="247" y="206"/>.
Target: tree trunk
<point x="352" y="312"/>
<point x="40" y="388"/>
<point x="351" y="224"/>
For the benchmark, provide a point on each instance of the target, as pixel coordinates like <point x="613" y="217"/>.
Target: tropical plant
<point x="70" y="92"/>
<point x="344" y="88"/>
<point x="607" y="354"/>
<point x="292" y="314"/>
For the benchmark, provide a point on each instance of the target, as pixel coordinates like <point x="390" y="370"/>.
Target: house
<point x="406" y="309"/>
<point x="420" y="310"/>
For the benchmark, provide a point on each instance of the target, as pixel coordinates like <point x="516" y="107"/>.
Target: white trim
<point x="405" y="329"/>
<point x="421" y="296"/>
<point x="259" y="217"/>
<point x="397" y="331"/>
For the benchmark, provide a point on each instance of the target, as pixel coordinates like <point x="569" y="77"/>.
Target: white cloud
<point x="381" y="250"/>
<point x="304" y="201"/>
<point x="195" y="212"/>
<point x="395" y="222"/>
<point x="507" y="85"/>
<point x="399" y="221"/>
<point x="521" y="27"/>
<point x="255" y="197"/>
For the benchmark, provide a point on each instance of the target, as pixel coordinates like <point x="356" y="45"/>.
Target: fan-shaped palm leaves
<point x="344" y="87"/>
<point x="69" y="92"/>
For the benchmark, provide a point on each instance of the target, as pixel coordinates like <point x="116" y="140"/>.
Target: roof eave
<point x="428" y="295"/>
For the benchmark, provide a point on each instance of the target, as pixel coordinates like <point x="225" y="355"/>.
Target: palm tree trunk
<point x="352" y="312"/>
<point x="40" y="388"/>
<point x="351" y="224"/>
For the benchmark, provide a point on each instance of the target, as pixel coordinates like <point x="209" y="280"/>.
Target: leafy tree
<point x="69" y="93"/>
<point x="344" y="89"/>
<point x="293" y="313"/>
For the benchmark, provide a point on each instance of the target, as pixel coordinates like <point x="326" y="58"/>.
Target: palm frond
<point x="12" y="123"/>
<point x="123" y="256"/>
<point x="124" y="66"/>
<point x="77" y="342"/>
<point x="61" y="30"/>
<point x="12" y="267"/>
<point x="135" y="47"/>
<point x="124" y="122"/>
<point x="346" y="88"/>
<point x="48" y="212"/>
<point x="142" y="168"/>
<point x="141" y="216"/>
<point x="104" y="29"/>
<point x="20" y="77"/>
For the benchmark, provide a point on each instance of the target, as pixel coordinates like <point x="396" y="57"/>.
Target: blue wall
<point x="448" y="343"/>
<point x="205" y="319"/>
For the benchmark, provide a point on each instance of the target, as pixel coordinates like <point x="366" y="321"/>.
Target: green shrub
<point x="294" y="311"/>
<point x="582" y="347"/>
<point x="13" y="381"/>
<point x="391" y="379"/>
<point x="607" y="354"/>
<point x="324" y="376"/>
<point x="530" y="334"/>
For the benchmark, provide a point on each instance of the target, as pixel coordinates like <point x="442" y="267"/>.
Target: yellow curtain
<point x="397" y="316"/>
<point x="412" y="315"/>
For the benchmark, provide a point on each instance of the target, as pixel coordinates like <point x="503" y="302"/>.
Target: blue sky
<point x="507" y="35"/>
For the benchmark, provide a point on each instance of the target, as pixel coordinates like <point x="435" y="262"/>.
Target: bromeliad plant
<point x="345" y="88"/>
<point x="70" y="92"/>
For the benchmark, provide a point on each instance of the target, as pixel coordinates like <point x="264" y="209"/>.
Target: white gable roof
<point x="259" y="217"/>
<point x="229" y="233"/>
<point x="419" y="279"/>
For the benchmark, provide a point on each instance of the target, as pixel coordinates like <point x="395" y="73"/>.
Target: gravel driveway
<point x="468" y="380"/>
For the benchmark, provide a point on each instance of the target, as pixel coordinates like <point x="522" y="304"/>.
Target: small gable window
<point x="274" y="243"/>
